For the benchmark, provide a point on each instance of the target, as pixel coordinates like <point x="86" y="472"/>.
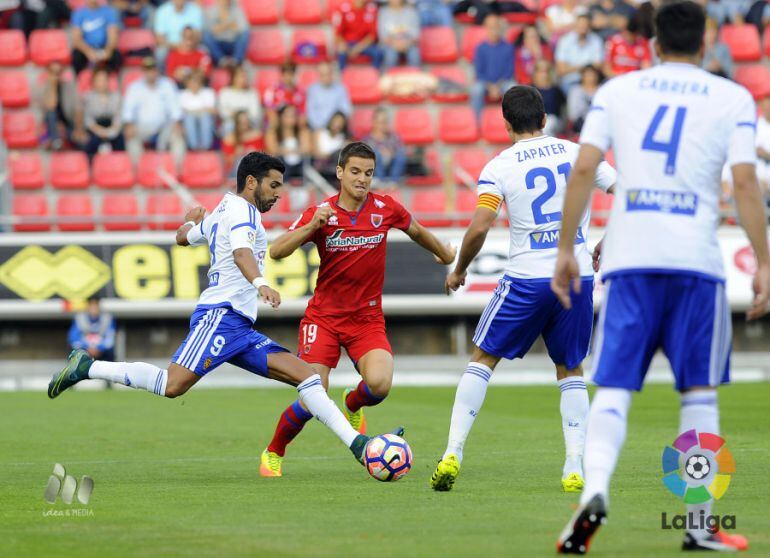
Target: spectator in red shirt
<point x="530" y="48"/>
<point x="627" y="51"/>
<point x="186" y="57"/>
<point x="285" y="93"/>
<point x="355" y="32"/>
<point x="242" y="140"/>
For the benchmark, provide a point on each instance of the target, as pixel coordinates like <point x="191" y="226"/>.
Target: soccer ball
<point x="388" y="457"/>
<point x="697" y="467"/>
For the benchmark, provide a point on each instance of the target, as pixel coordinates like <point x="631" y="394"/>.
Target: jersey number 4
<point x="550" y="189"/>
<point x="670" y="147"/>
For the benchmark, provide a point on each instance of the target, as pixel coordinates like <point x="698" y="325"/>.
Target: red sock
<point x="361" y="397"/>
<point x="290" y="424"/>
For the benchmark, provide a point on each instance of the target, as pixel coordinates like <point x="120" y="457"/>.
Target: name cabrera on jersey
<point x="235" y="223"/>
<point x="531" y="177"/>
<point x="672" y="128"/>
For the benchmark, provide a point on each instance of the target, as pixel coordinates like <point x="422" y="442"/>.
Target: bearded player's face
<point x="268" y="191"/>
<point x="356" y="177"/>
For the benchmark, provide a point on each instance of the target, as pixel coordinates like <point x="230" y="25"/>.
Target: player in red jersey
<point x="350" y="231"/>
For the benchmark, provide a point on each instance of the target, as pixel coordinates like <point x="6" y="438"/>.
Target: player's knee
<point x="380" y="387"/>
<point x="175" y="390"/>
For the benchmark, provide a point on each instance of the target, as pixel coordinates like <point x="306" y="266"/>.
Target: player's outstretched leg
<point x="699" y="413"/>
<point x="138" y="375"/>
<point x="469" y="398"/>
<point x="604" y="440"/>
<point x="574" y="415"/>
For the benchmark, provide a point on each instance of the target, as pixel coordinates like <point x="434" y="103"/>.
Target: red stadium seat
<point x="69" y="170"/>
<point x="471" y="160"/>
<point x="743" y="42"/>
<point x="164" y="212"/>
<point x="601" y="204"/>
<point x="209" y="201"/>
<point x="84" y="82"/>
<point x="266" y="78"/>
<point x="120" y="212"/>
<point x="309" y="46"/>
<point x="49" y="45"/>
<point x="33" y="208"/>
<point x="113" y="170"/>
<point x="405" y="99"/>
<point x="302" y="12"/>
<point x="438" y="45"/>
<point x="202" y="169"/>
<point x="261" y="12"/>
<point x="149" y="164"/>
<point x="458" y="125"/>
<point x="363" y="84"/>
<point x="13" y="48"/>
<point x="14" y="89"/>
<point x="415" y="127"/>
<point x="288" y="208"/>
<point x="435" y="175"/>
<point x="472" y="36"/>
<point x="766" y="40"/>
<point x="20" y="129"/>
<point x="133" y="40"/>
<point x="306" y="78"/>
<point x="465" y="205"/>
<point x="75" y="213"/>
<point x="266" y="46"/>
<point x="26" y="169"/>
<point x="361" y="122"/>
<point x="755" y="78"/>
<point x="220" y="77"/>
<point x="453" y="74"/>
<point x="430" y="207"/>
<point x="493" y="127"/>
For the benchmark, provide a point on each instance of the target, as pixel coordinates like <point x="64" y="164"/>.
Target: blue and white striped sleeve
<point x="244" y="221"/>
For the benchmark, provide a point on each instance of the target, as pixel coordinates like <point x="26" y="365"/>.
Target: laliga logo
<point x="697" y="467"/>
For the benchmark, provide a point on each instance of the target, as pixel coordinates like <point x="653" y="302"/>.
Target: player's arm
<point x="483" y="219"/>
<point x="606" y="176"/>
<point x="192" y="220"/>
<point x="444" y="252"/>
<point x="247" y="263"/>
<point x="751" y="215"/>
<point x="581" y="182"/>
<point x="288" y="242"/>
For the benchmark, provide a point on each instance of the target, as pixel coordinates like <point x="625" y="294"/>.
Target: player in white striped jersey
<point x="221" y="325"/>
<point x="672" y="128"/>
<point x="530" y="178"/>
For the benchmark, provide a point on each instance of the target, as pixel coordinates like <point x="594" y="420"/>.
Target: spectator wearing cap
<point x="285" y="93"/>
<point x="398" y="29"/>
<point x="355" y="32"/>
<point x="326" y="97"/>
<point x="494" y="65"/>
<point x="171" y="19"/>
<point x="186" y="57"/>
<point x="95" y="30"/>
<point x="152" y="114"/>
<point x="227" y="33"/>
<point x="93" y="331"/>
<point x="577" y="49"/>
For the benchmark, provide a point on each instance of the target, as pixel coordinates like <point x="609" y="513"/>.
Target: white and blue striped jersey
<point x="531" y="177"/>
<point x="672" y="128"/>
<point x="235" y="223"/>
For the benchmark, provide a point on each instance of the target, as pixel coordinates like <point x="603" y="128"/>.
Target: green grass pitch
<point x="179" y="477"/>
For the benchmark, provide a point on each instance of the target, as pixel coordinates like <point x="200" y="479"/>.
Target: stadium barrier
<point x="45" y="276"/>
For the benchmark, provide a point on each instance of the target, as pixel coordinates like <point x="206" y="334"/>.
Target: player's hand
<point x="761" y="286"/>
<point x="566" y="272"/>
<point x="597" y="255"/>
<point x="195" y="214"/>
<point x="322" y="215"/>
<point x="270" y="296"/>
<point x="449" y="254"/>
<point x="454" y="281"/>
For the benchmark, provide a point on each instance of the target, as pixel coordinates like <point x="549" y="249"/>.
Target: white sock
<point x="574" y="416"/>
<point x="316" y="400"/>
<point x="468" y="401"/>
<point x="604" y="439"/>
<point x="138" y="375"/>
<point x="699" y="412"/>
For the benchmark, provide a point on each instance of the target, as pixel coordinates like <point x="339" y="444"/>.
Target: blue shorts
<point x="220" y="335"/>
<point x="684" y="314"/>
<point x="523" y="309"/>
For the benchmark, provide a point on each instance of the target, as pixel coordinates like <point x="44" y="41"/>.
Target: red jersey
<point x="196" y="59"/>
<point x="624" y="56"/>
<point x="354" y="24"/>
<point x="281" y="95"/>
<point x="353" y="247"/>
